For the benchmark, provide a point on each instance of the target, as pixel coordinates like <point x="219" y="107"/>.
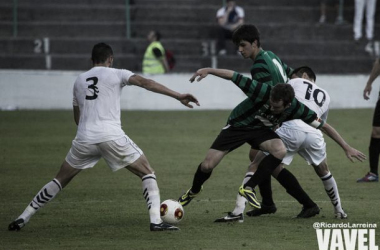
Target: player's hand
<point x="353" y="153"/>
<point x="201" y="73"/>
<point x="367" y="92"/>
<point x="185" y="99"/>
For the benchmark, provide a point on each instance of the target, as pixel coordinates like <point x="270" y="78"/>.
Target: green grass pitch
<point x="104" y="210"/>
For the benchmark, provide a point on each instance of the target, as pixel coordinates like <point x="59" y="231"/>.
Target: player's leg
<point x="294" y="188"/>
<point x="202" y="174"/>
<point x="374" y="148"/>
<point x="123" y="152"/>
<point x="268" y="141"/>
<point x="265" y="186"/>
<point x="229" y="139"/>
<point x="151" y="192"/>
<point x="331" y="188"/>
<point x="293" y="141"/>
<point x="277" y="150"/>
<point x="45" y="195"/>
<point x="237" y="212"/>
<point x="267" y="204"/>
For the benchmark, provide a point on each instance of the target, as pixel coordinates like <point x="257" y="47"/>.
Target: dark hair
<point x="282" y="91"/>
<point x="157" y="34"/>
<point x="305" y="69"/>
<point x="247" y="32"/>
<point x="101" y="52"/>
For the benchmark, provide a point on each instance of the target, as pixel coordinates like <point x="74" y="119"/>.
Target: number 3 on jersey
<point x="92" y="89"/>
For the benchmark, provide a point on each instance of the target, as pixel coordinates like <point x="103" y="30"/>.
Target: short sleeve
<point x="220" y="13"/>
<point x="240" y="12"/>
<point x="124" y="76"/>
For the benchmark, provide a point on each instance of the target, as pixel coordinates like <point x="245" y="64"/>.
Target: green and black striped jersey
<point x="254" y="112"/>
<point x="268" y="68"/>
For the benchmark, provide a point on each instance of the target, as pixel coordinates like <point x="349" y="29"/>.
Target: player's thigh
<point x="274" y="147"/>
<point x="314" y="149"/>
<point x="82" y="155"/>
<point x="293" y="140"/>
<point x="120" y="153"/>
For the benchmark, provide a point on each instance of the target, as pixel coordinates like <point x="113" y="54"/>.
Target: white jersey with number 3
<point x="97" y="92"/>
<point x="314" y="97"/>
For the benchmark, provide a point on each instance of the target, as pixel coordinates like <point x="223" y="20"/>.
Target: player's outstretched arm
<point x="350" y="152"/>
<point x="156" y="87"/>
<point x="202" y="73"/>
<point x="375" y="72"/>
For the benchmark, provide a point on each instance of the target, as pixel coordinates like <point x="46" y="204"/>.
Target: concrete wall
<point x="53" y="90"/>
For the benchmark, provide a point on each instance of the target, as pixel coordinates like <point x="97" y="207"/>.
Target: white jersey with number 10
<point x="314" y="97"/>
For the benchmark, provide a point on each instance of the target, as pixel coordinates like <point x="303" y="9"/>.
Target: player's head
<point x="247" y="38"/>
<point x="154" y="35"/>
<point x="304" y="72"/>
<point x="246" y="32"/>
<point x="102" y="53"/>
<point x="281" y="97"/>
<point x="231" y="3"/>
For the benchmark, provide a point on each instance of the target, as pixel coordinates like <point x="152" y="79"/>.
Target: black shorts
<point x="231" y="138"/>
<point x="376" y="115"/>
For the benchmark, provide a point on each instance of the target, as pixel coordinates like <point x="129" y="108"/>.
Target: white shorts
<point x="117" y="153"/>
<point x="310" y="146"/>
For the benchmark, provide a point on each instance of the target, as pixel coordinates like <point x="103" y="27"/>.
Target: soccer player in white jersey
<point x="303" y="139"/>
<point x="96" y="106"/>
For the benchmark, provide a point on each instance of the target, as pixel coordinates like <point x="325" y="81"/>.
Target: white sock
<point x="332" y="191"/>
<point x="151" y="194"/>
<point x="46" y="194"/>
<point x="240" y="200"/>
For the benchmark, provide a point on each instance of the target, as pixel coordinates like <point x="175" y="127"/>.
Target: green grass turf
<point x="104" y="210"/>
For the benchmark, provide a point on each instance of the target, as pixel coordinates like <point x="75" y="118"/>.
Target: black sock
<point x="374" y="151"/>
<point x="199" y="178"/>
<point x="265" y="169"/>
<point x="292" y="186"/>
<point x="266" y="191"/>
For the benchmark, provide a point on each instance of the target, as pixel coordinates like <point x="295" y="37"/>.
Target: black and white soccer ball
<point x="171" y="211"/>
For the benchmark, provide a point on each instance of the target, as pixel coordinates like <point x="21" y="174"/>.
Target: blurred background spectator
<point x="369" y="6"/>
<point x="154" y="61"/>
<point x="229" y="18"/>
<point x="337" y="5"/>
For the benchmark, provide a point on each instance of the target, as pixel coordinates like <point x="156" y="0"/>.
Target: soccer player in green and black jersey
<point x="267" y="68"/>
<point x="269" y="107"/>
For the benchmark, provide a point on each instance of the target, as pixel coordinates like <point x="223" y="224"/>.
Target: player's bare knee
<point x="375" y="132"/>
<point x="322" y="169"/>
<point x="207" y="166"/>
<point x="66" y="174"/>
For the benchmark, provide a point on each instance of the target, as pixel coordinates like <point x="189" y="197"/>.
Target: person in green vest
<point x="154" y="61"/>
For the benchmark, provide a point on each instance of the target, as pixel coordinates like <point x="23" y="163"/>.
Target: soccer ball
<point x="171" y="211"/>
